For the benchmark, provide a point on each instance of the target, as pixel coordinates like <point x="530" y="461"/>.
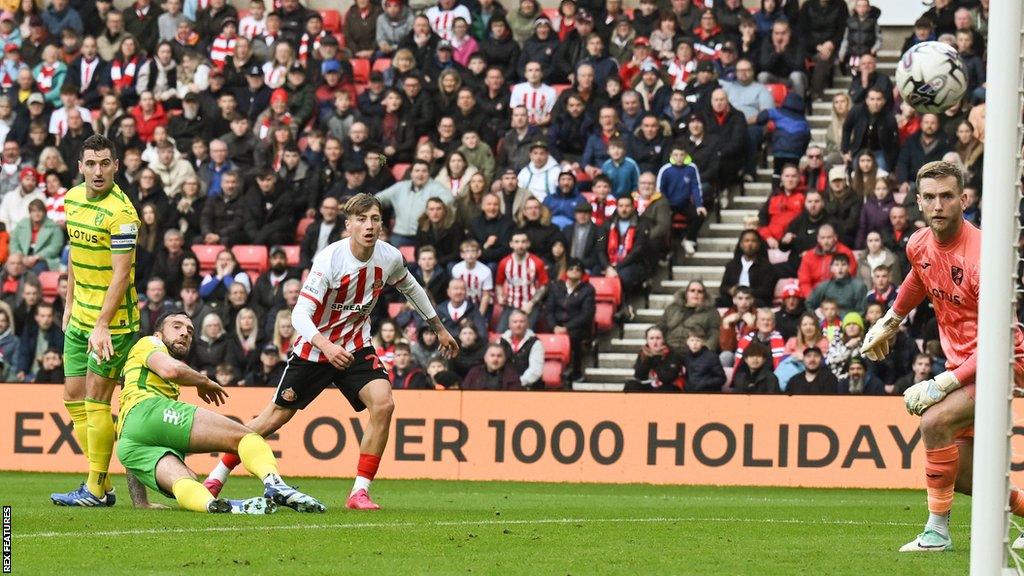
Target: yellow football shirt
<point x="140" y="382"/>
<point x="99" y="228"/>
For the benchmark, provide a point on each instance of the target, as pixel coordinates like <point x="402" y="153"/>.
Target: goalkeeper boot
<point x="1018" y="544"/>
<point x="257" y="505"/>
<point x="82" y="498"/>
<point x="284" y="495"/>
<point x="928" y="541"/>
<point x="360" y="500"/>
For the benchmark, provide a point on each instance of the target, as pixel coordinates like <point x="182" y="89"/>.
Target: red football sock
<point x="230" y="460"/>
<point x="1016" y="501"/>
<point x="368" y="464"/>
<point x="940" y="472"/>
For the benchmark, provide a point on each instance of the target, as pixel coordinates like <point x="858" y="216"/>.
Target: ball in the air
<point x="931" y="77"/>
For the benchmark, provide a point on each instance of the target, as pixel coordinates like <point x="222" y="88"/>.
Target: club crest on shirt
<point x="377" y="285"/>
<point x="957" y="274"/>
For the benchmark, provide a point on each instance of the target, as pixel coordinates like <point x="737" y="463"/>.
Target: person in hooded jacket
<point x="792" y="132"/>
<point x="540" y="47"/>
<point x="501" y="49"/>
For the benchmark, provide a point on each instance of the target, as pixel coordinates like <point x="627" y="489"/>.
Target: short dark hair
<point x="98" y="143"/>
<point x="159" y="324"/>
<point x="840" y="258"/>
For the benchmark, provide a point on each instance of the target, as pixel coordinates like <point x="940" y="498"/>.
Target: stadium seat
<point x="559" y="88"/>
<point x="253" y="276"/>
<point x="381" y="64"/>
<point x="608" y="298"/>
<point x="360" y="70"/>
<point x="251" y="257"/>
<point x="779" y="92"/>
<point x="340" y="38"/>
<point x="207" y="255"/>
<point x="678" y="222"/>
<point x="399" y="170"/>
<point x="332" y="20"/>
<point x="551" y="13"/>
<point x="557" y="355"/>
<point x="300" y="230"/>
<point x="493" y="337"/>
<point x="49" y="280"/>
<point x="294" y="254"/>
<point x="409" y="253"/>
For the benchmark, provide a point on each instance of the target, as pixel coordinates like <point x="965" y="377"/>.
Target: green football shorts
<point x="77" y="360"/>
<point x="153" y="428"/>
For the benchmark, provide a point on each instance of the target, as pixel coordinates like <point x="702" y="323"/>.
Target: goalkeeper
<point x="155" y="430"/>
<point x="944" y="259"/>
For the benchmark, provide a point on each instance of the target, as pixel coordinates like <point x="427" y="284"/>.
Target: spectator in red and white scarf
<point x="309" y="44"/>
<point x="49" y="74"/>
<point x="622" y="251"/>
<point x="124" y="68"/>
<point x="224" y="44"/>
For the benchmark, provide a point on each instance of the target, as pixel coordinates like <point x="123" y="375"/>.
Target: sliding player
<point x="333" y="348"/>
<point x="102" y="316"/>
<point x="944" y="260"/>
<point x="156" y="431"/>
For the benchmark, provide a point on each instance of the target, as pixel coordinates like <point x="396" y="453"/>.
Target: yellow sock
<point x="78" y="417"/>
<point x="101" y="444"/>
<point x="256" y="455"/>
<point x="191" y="495"/>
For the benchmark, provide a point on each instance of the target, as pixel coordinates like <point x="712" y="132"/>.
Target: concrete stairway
<point x="617" y="350"/>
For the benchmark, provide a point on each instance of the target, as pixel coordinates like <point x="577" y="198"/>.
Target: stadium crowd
<point x="537" y="166"/>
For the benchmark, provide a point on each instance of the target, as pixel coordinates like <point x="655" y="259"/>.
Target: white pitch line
<point x="457" y="523"/>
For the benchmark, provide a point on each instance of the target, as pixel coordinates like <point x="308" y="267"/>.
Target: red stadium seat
<point x="559" y="88"/>
<point x="608" y="298"/>
<point x="49" y="280"/>
<point x="300" y="230"/>
<point x="678" y="222"/>
<point x="207" y="255"/>
<point x="779" y="92"/>
<point x="340" y="38"/>
<point x="294" y="254"/>
<point x="551" y="13"/>
<point x="251" y="257"/>
<point x="360" y="70"/>
<point x="493" y="337"/>
<point x="557" y="355"/>
<point x="332" y="20"/>
<point x="409" y="253"/>
<point x="253" y="276"/>
<point x="399" y="170"/>
<point x="556" y="347"/>
<point x="381" y="64"/>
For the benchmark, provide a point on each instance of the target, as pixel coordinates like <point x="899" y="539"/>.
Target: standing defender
<point x="101" y="320"/>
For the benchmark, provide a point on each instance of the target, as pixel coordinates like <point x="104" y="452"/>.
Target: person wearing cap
<point x="540" y="46"/>
<point x="540" y="176"/>
<point x="581" y="237"/>
<point x="392" y="26"/>
<point x="254" y="97"/>
<point x="210" y="20"/>
<point x="572" y="49"/>
<point x="563" y="202"/>
<point x="620" y="41"/>
<point x="301" y="96"/>
<point x="842" y="205"/>
<point x="815" y="378"/>
<point x="269" y="370"/>
<point x="14" y="206"/>
<point x="652" y="89"/>
<point x="223" y="45"/>
<point x="522" y="20"/>
<point x="313" y="34"/>
<point x="569" y="309"/>
<point x="268" y="289"/>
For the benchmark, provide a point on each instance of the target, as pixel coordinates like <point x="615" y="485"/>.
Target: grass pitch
<point x="502" y="528"/>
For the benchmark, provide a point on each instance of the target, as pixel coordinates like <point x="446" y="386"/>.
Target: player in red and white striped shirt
<point x="522" y="281"/>
<point x="333" y="346"/>
<point x="537" y="97"/>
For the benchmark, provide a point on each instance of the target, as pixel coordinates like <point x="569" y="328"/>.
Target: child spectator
<point x="831" y="324"/>
<point x="921" y="371"/>
<point x="478" y="278"/>
<point x="622" y="170"/>
<point x="704" y="371"/>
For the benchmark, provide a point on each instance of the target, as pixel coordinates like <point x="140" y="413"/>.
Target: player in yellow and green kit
<point x="156" y="431"/>
<point x="102" y="318"/>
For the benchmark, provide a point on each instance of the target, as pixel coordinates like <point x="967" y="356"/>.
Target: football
<point x="931" y="77"/>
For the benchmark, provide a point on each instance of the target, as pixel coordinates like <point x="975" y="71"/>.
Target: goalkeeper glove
<point x="922" y="395"/>
<point x="876" y="342"/>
